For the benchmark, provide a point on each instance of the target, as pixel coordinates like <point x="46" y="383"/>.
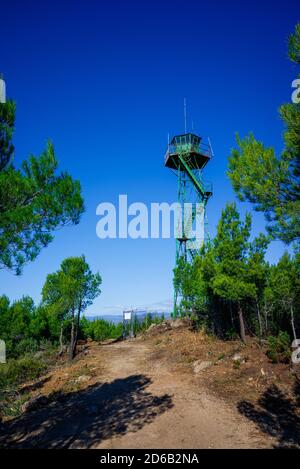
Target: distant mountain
<point x="116" y="318"/>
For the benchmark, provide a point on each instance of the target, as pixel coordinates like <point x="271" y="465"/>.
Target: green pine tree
<point x="270" y="182"/>
<point x="35" y="199"/>
<point x="70" y="291"/>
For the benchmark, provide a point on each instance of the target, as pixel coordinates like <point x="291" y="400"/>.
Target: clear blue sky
<point x="106" y="81"/>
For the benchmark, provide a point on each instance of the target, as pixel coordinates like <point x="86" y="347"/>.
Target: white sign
<point x="127" y="316"/>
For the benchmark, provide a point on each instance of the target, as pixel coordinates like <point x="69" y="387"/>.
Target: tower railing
<point x="203" y="149"/>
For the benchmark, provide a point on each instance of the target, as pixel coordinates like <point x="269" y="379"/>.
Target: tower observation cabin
<point x="188" y="153"/>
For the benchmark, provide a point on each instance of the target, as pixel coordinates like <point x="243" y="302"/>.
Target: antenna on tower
<point x="184" y="112"/>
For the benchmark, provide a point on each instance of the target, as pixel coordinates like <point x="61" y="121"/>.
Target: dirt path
<point x="192" y="420"/>
<point x="136" y="401"/>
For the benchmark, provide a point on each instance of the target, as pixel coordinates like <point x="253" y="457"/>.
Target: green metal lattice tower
<point x="187" y="155"/>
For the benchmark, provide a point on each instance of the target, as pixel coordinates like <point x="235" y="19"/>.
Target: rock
<point x="181" y="323"/>
<point x="200" y="365"/>
<point x="82" y="379"/>
<point x="237" y="358"/>
<point x="34" y="403"/>
<point x="158" y="328"/>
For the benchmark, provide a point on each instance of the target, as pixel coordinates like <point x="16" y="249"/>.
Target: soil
<point x="170" y="389"/>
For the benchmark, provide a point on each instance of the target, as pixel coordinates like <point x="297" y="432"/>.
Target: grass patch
<point x="17" y="371"/>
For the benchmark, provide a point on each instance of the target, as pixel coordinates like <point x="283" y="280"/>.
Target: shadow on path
<point x="84" y="418"/>
<point x="277" y="415"/>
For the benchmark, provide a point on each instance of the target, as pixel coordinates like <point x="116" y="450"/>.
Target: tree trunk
<point x="231" y="315"/>
<point x="266" y="318"/>
<point x="61" y="344"/>
<point x="72" y="350"/>
<point x="242" y="324"/>
<point x="293" y="323"/>
<point x="76" y="331"/>
<point x="259" y="319"/>
<point x="75" y="328"/>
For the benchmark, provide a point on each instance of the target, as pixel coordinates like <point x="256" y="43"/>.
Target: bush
<point x="24" y="346"/>
<point x="279" y="348"/>
<point x="15" y="371"/>
<point x="231" y="335"/>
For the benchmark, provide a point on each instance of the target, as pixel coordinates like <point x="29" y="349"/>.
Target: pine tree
<point x="283" y="293"/>
<point x="70" y="291"/>
<point x="272" y="183"/>
<point x="231" y="250"/>
<point x="35" y="199"/>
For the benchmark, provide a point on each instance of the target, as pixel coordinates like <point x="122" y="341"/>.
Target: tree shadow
<point x="276" y="414"/>
<point x="84" y="418"/>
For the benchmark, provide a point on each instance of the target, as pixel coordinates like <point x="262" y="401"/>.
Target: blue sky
<point x="106" y="81"/>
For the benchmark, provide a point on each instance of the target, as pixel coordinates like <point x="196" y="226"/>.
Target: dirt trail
<point x="194" y="419"/>
<point x="138" y="400"/>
